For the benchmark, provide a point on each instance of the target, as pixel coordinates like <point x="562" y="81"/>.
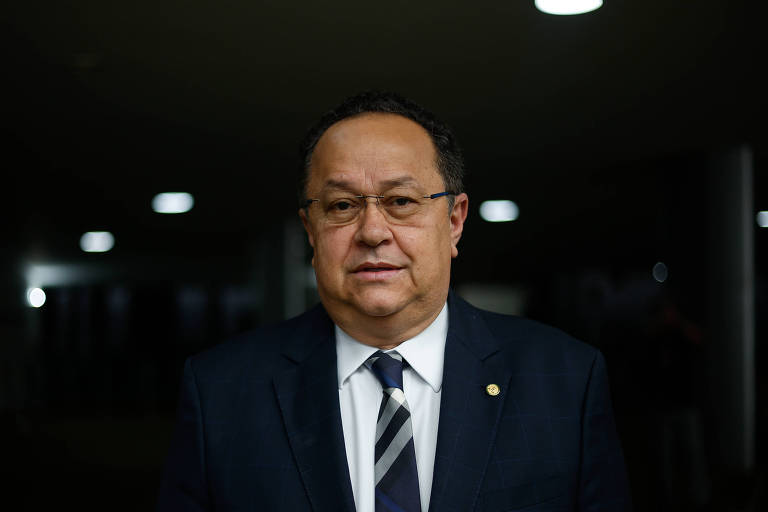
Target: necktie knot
<point x="388" y="368"/>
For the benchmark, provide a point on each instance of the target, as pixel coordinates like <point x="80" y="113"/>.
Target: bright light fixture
<point x="173" y="202"/>
<point x="762" y="219"/>
<point x="499" y="211"/>
<point x="36" y="297"/>
<point x="565" y="7"/>
<point x="97" y="241"/>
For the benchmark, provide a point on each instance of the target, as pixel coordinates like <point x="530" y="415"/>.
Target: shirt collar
<point x="424" y="352"/>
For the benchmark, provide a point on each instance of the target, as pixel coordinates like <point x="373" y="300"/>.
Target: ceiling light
<point x="173" y="202"/>
<point x="35" y="297"/>
<point x="499" y="211"/>
<point x="762" y="219"/>
<point x="567" y="6"/>
<point x="97" y="241"/>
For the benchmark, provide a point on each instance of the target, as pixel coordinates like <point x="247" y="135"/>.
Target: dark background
<point x="616" y="132"/>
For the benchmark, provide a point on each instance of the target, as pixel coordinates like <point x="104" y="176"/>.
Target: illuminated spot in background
<point x="762" y="219"/>
<point x="499" y="211"/>
<point x="97" y="241"/>
<point x="36" y="297"/>
<point x="660" y="272"/>
<point x="173" y="202"/>
<point x="567" y="7"/>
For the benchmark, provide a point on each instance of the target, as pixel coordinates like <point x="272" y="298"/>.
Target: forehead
<point x="374" y="149"/>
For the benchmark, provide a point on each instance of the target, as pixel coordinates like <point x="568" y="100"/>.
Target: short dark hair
<point x="450" y="162"/>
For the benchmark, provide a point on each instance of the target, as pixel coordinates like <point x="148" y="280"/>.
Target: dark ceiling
<point x="107" y="103"/>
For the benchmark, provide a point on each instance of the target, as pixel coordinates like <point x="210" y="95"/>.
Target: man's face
<point x="375" y="267"/>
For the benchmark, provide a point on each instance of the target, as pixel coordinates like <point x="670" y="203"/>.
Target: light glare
<point x="660" y="272"/>
<point x="499" y="211"/>
<point x="762" y="219"/>
<point x="97" y="241"/>
<point x="36" y="297"/>
<point x="567" y="7"/>
<point x="173" y="202"/>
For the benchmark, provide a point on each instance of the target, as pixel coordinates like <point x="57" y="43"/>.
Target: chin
<point x="378" y="309"/>
<point x="380" y="306"/>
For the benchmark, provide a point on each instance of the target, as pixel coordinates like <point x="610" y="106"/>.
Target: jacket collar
<point x="469" y="415"/>
<point x="309" y="402"/>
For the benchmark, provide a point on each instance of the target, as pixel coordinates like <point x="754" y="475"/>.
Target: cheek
<point x="426" y="250"/>
<point x="325" y="254"/>
<point x="330" y="251"/>
<point x="409" y="242"/>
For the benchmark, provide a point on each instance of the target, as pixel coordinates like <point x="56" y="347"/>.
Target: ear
<point x="457" y="218"/>
<point x="308" y="228"/>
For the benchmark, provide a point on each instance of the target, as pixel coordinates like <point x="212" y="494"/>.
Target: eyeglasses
<point x="342" y="208"/>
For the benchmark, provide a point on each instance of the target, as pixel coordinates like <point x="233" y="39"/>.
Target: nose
<point x="372" y="226"/>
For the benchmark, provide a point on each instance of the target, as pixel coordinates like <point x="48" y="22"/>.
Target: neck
<point x="384" y="332"/>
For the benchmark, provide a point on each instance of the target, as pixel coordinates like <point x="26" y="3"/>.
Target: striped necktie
<point x="396" y="477"/>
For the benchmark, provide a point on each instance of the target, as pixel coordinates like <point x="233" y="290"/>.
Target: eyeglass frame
<point x="311" y="200"/>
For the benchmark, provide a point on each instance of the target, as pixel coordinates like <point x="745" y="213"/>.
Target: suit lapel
<point x="468" y="414"/>
<point x="309" y="402"/>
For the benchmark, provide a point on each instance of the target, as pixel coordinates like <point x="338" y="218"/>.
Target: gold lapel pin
<point x="492" y="389"/>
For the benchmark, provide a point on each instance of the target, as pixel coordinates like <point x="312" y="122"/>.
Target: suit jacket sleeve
<point x="602" y="481"/>
<point x="184" y="486"/>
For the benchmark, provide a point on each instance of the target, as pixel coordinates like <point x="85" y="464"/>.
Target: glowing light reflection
<point x="173" y="202"/>
<point x="36" y="297"/>
<point x="567" y="7"/>
<point x="97" y="241"/>
<point x="499" y="211"/>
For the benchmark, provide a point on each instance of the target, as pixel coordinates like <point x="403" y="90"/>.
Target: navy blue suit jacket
<point x="259" y="426"/>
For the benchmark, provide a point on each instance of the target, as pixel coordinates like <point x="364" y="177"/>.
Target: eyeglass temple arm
<point x="441" y="194"/>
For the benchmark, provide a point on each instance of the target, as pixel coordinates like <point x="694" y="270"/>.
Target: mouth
<point x="375" y="267"/>
<point x="376" y="271"/>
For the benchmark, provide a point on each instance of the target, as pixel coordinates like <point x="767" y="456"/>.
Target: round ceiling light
<point x="567" y="7"/>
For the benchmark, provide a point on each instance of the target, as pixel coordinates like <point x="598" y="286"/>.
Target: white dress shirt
<point x="360" y="397"/>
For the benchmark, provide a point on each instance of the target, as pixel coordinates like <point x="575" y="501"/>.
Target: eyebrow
<point x="401" y="181"/>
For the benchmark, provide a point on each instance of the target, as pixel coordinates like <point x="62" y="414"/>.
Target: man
<point x="394" y="394"/>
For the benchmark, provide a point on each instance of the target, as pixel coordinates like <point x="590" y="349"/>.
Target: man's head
<point x="450" y="162"/>
<point x="382" y="263"/>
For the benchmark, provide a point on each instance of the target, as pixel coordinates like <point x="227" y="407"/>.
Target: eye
<point x="401" y="201"/>
<point x="341" y="205"/>
<point x="401" y="207"/>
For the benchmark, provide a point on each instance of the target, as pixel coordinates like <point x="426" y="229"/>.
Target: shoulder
<point x="533" y="342"/>
<point x="259" y="351"/>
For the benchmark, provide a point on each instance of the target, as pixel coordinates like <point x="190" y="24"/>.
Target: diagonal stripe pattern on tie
<point x="396" y="477"/>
